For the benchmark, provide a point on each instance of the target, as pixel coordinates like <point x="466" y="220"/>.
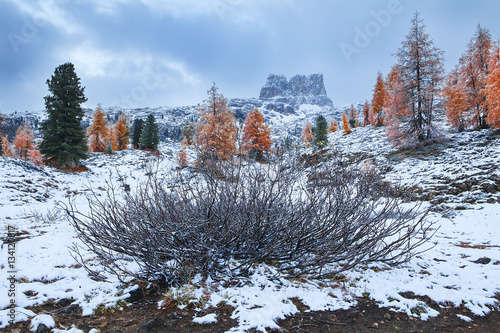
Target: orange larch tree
<point x="379" y="100"/>
<point x="183" y="153"/>
<point x="23" y="141"/>
<point x="307" y="133"/>
<point x="7" y="150"/>
<point x="111" y="143"/>
<point x="121" y="133"/>
<point x="474" y="65"/>
<point x="352" y="116"/>
<point x="345" y="124"/>
<point x="216" y="131"/>
<point x="35" y="157"/>
<point x="397" y="110"/>
<point x="419" y="76"/>
<point x="256" y="135"/>
<point x="1" y="121"/>
<point x="455" y="101"/>
<point x="493" y="89"/>
<point x="98" y="132"/>
<point x="334" y="126"/>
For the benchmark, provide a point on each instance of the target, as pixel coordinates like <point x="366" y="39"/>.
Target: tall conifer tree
<point x="321" y="132"/>
<point x="98" y="132"/>
<point x="216" y="132"/>
<point x="64" y="139"/>
<point x="256" y="135"/>
<point x="137" y="127"/>
<point x="149" y="137"/>
<point x="416" y="81"/>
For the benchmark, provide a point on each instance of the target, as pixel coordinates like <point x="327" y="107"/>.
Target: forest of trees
<point x="406" y="102"/>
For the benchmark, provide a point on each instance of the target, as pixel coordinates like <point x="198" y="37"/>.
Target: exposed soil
<point x="144" y="316"/>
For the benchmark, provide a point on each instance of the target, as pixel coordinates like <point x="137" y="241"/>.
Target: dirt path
<point x="144" y="316"/>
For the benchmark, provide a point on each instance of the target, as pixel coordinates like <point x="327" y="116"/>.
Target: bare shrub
<point x="313" y="221"/>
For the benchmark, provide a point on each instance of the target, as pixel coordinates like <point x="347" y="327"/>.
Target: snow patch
<point x="44" y="319"/>
<point x="207" y="319"/>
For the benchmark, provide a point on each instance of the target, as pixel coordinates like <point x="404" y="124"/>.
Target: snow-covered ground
<point x="462" y="268"/>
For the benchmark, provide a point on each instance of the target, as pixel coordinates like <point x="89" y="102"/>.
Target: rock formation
<point x="300" y="89"/>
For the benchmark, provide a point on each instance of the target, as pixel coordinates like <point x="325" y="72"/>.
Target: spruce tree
<point x="138" y="126"/>
<point x="321" y="133"/>
<point x="64" y="140"/>
<point x="187" y="132"/>
<point x="149" y="137"/>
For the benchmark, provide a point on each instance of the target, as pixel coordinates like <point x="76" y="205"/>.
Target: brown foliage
<point x="98" y="132"/>
<point x="415" y="87"/>
<point x="23" y="141"/>
<point x="216" y="131"/>
<point x="334" y="126"/>
<point x="455" y="101"/>
<point x="256" y="135"/>
<point x="474" y="67"/>
<point x="183" y="153"/>
<point x="345" y="124"/>
<point x="397" y="106"/>
<point x="353" y="114"/>
<point x="6" y="147"/>
<point x="121" y="133"/>
<point x="379" y="101"/>
<point x="493" y="89"/>
<point x="307" y="134"/>
<point x="35" y="157"/>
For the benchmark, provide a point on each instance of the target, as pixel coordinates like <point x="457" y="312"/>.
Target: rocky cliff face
<point x="300" y="89"/>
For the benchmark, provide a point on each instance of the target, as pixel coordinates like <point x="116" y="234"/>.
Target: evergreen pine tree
<point x="187" y="132"/>
<point x="321" y="133"/>
<point x="366" y="114"/>
<point x="138" y="126"/>
<point x="109" y="148"/>
<point x="64" y="139"/>
<point x="149" y="137"/>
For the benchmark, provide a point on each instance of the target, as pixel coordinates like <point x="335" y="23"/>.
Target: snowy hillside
<point x="459" y="178"/>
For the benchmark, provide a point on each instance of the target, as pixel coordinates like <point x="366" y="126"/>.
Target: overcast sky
<point x="138" y="53"/>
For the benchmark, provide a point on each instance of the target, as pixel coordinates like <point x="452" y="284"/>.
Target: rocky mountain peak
<point x="300" y="89"/>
